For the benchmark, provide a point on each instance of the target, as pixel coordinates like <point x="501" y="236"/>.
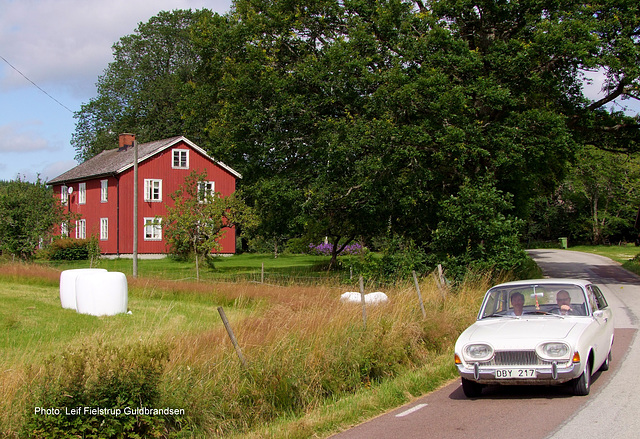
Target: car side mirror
<point x="598" y="314"/>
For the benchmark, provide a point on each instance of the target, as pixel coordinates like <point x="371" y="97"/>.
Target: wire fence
<point x="329" y="279"/>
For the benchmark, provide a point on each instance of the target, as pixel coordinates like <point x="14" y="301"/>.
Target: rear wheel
<point x="471" y="389"/>
<point x="582" y="384"/>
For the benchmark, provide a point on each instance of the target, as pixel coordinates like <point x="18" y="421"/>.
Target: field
<point x="314" y="365"/>
<point x="245" y="267"/>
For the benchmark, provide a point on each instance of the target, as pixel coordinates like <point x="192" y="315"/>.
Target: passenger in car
<point x="517" y="302"/>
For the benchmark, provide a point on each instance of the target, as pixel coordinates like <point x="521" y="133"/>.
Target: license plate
<point x="515" y="373"/>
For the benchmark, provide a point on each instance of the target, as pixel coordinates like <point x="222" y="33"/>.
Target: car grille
<point x="516" y="358"/>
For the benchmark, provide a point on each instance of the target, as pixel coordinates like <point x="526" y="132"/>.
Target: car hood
<point x="522" y="333"/>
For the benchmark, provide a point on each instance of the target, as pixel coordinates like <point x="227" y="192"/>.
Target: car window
<point x="539" y="300"/>
<point x="599" y="297"/>
<point x="593" y="303"/>
<point x="495" y="303"/>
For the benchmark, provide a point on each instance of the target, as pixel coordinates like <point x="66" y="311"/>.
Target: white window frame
<point x="153" y="190"/>
<point x="104" y="229"/>
<point x="152" y="229"/>
<point x="210" y="187"/>
<point x="64" y="195"/>
<point x="104" y="191"/>
<point x="82" y="193"/>
<point x="182" y="155"/>
<point x="64" y="230"/>
<point x="81" y="229"/>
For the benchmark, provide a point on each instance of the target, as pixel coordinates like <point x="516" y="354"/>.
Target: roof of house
<point x="116" y="161"/>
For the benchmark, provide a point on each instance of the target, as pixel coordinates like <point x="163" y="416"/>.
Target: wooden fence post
<point x="441" y="280"/>
<point x="415" y="281"/>
<point x="364" y="306"/>
<point x="231" y="336"/>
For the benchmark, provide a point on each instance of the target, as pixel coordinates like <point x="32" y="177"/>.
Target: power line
<point x="39" y="88"/>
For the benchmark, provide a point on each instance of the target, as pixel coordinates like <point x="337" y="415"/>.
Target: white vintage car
<point x="542" y="331"/>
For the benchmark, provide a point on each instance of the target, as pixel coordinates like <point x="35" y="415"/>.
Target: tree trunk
<point x="597" y="235"/>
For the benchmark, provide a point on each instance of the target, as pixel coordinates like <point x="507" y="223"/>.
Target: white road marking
<point x="411" y="410"/>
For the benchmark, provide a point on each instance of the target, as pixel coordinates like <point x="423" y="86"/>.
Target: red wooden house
<point x="100" y="190"/>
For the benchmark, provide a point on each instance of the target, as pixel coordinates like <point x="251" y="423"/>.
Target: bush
<point x="68" y="249"/>
<point x="399" y="257"/>
<point x="297" y="246"/>
<point x="87" y="393"/>
<point x="476" y="233"/>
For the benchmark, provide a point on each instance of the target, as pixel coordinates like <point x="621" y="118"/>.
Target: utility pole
<point x="135" y="208"/>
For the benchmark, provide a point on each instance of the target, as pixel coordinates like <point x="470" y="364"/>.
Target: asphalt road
<point x="611" y="409"/>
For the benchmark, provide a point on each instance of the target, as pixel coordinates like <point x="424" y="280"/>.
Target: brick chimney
<point x="125" y="141"/>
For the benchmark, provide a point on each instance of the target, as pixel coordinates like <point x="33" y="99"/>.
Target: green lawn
<point x="246" y="266"/>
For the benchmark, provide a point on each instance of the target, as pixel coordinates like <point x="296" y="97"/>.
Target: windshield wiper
<point x="544" y="313"/>
<point x="500" y="315"/>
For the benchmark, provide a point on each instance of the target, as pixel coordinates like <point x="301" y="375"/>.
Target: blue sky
<point x="63" y="46"/>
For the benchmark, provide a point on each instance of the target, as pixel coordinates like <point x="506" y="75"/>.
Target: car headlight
<point x="553" y="351"/>
<point x="478" y="352"/>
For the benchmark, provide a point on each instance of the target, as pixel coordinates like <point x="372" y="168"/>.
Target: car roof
<point x="545" y="281"/>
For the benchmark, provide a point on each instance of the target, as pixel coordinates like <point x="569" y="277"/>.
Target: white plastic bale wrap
<point x="102" y="294"/>
<point x="68" y="285"/>
<point x="371" y="298"/>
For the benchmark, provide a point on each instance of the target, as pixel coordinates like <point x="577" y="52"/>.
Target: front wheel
<point x="471" y="389"/>
<point x="582" y="384"/>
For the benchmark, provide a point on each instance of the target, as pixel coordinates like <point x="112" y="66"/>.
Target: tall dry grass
<point x="303" y="347"/>
<point x="307" y="347"/>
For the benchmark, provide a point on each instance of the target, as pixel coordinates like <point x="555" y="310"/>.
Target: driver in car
<point x="563" y="299"/>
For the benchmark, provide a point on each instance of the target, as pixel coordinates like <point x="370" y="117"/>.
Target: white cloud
<point x="69" y="41"/>
<point x="23" y="138"/>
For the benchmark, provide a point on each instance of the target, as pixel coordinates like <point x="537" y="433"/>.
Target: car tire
<point x="471" y="389"/>
<point x="582" y="384"/>
<point x="607" y="362"/>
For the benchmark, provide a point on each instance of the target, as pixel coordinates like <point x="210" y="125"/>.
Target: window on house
<point x="181" y="159"/>
<point x="81" y="229"/>
<point x="82" y="193"/>
<point x="104" y="229"/>
<point x="152" y="229"/>
<point x="206" y="191"/>
<point x="104" y="190"/>
<point x="64" y="194"/>
<point x="64" y="230"/>
<point x="152" y="190"/>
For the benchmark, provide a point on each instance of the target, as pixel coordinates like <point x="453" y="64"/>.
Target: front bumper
<point x="547" y="374"/>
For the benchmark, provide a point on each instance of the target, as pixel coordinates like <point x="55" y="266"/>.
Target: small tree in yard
<point x="198" y="218"/>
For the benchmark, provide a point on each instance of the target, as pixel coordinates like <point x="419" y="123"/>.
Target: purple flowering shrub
<point x="324" y="249"/>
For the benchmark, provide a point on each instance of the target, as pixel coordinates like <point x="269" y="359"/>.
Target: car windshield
<point x="517" y="300"/>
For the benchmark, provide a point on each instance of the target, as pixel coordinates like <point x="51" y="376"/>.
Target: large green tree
<point x="141" y="91"/>
<point x="602" y="195"/>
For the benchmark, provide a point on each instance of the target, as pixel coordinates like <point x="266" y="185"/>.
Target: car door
<point x="603" y="324"/>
